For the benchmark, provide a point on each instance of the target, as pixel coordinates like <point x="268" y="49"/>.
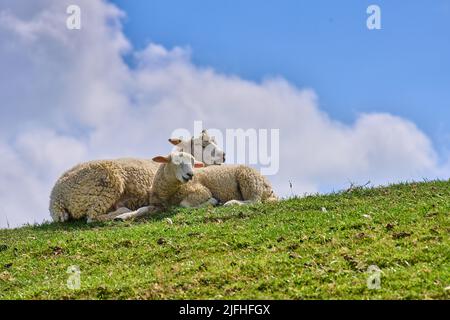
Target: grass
<point x="293" y="249"/>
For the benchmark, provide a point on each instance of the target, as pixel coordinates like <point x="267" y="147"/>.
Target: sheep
<point x="100" y="190"/>
<point x="176" y="183"/>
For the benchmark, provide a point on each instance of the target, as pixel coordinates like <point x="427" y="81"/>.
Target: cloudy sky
<point x="351" y="104"/>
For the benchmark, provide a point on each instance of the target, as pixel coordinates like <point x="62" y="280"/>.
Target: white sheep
<point x="176" y="183"/>
<point x="103" y="189"/>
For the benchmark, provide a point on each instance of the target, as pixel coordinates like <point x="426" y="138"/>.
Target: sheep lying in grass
<point x="177" y="183"/>
<point x="103" y="189"/>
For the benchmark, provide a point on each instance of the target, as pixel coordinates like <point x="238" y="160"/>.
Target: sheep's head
<point x="180" y="164"/>
<point x="204" y="148"/>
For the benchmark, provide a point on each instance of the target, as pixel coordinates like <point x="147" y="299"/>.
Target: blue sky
<point x="403" y="69"/>
<point x="72" y="90"/>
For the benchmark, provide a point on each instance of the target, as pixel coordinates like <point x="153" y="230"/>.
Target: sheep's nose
<point x="224" y="157"/>
<point x="190" y="175"/>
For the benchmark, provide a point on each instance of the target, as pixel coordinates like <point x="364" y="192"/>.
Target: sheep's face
<point x="184" y="166"/>
<point x="204" y="148"/>
<point x="181" y="165"/>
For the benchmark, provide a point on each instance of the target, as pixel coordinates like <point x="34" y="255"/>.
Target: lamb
<point x="103" y="189"/>
<point x="177" y="183"/>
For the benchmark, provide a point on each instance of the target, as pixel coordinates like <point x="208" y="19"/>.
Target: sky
<point x="403" y="69"/>
<point x="351" y="104"/>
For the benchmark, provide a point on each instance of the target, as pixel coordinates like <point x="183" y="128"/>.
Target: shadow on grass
<point x="230" y="212"/>
<point x="82" y="225"/>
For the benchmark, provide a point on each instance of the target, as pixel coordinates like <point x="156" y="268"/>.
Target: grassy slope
<point x="287" y="250"/>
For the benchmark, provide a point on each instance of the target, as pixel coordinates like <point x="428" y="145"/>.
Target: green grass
<point x="288" y="250"/>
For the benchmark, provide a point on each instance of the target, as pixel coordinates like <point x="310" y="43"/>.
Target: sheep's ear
<point x="161" y="159"/>
<point x="175" y="141"/>
<point x="198" y="164"/>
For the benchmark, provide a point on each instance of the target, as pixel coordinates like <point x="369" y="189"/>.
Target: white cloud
<point x="68" y="96"/>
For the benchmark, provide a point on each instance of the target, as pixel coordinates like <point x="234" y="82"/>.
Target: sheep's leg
<point x="210" y="202"/>
<point x="109" y="216"/>
<point x="198" y="196"/>
<point x="119" y="211"/>
<point x="137" y="213"/>
<point x="251" y="186"/>
<point x="239" y="202"/>
<point x="63" y="217"/>
<point x="133" y="214"/>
